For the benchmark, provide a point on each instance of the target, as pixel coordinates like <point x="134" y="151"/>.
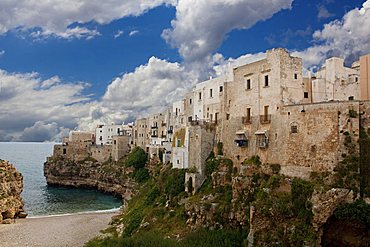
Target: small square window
<point x="295" y="76"/>
<point x="351" y="98"/>
<point x="294" y="129"/>
<point x="221" y="89"/>
<point x="305" y="95"/>
<point x="227" y="116"/>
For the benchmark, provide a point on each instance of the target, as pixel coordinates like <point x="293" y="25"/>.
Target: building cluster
<point x="106" y="142"/>
<point x="266" y="108"/>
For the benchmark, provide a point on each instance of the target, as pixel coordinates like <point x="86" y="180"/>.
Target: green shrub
<point x="254" y="160"/>
<point x="357" y="211"/>
<point x="301" y="193"/>
<point x="137" y="158"/>
<point x="141" y="175"/>
<point x="275" y="168"/>
<point x="174" y="182"/>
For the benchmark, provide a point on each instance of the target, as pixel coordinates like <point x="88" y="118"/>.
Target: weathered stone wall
<point x="101" y="153"/>
<point x="318" y="145"/>
<point x="201" y="142"/>
<point x="120" y="147"/>
<point x="141" y="131"/>
<point x="73" y="150"/>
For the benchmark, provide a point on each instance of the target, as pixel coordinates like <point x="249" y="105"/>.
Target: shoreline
<point x="103" y="211"/>
<point x="55" y="230"/>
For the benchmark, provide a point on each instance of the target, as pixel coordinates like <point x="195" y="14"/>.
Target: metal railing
<point x="265" y="119"/>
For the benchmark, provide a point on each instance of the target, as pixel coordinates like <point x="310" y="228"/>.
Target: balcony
<point x="164" y="124"/>
<point x="163" y="136"/>
<point x="246" y="120"/>
<point x="265" y="119"/>
<point x="154" y="127"/>
<point x="154" y="135"/>
<point x="170" y="132"/>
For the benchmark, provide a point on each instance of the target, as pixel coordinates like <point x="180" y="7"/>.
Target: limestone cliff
<point x="110" y="177"/>
<point x="11" y="186"/>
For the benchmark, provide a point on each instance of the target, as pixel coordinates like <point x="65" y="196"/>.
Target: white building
<point x="104" y="133"/>
<point x="335" y="82"/>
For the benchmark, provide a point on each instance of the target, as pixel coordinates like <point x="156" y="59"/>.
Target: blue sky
<point x="99" y="63"/>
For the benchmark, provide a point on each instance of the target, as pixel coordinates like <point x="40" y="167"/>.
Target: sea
<point x="43" y="200"/>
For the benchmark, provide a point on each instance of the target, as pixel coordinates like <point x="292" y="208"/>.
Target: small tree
<point x="137" y="158"/>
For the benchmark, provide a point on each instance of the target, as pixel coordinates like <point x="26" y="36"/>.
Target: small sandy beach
<point x="54" y="231"/>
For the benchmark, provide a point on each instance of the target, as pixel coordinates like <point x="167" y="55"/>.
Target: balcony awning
<point x="261" y="132"/>
<point x="241" y="132"/>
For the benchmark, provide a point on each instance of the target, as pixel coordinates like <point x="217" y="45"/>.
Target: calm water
<point x="40" y="199"/>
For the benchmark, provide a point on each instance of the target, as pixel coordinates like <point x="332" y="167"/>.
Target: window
<point x="248" y="84"/>
<point x="351" y="98"/>
<point x="210" y="93"/>
<point x="64" y="151"/>
<point x="200" y="96"/>
<point x="115" y="142"/>
<point x="248" y="119"/>
<point x="190" y="101"/>
<point x="227" y="116"/>
<point x="295" y="76"/>
<point x="266" y="80"/>
<point x="294" y="129"/>
<point x="305" y="95"/>
<point x="221" y="89"/>
<point x="190" y="119"/>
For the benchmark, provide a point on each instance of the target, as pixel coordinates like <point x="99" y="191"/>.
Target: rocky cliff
<point x="110" y="177"/>
<point x="11" y="187"/>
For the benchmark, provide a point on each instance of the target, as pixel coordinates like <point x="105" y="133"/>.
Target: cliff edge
<point x="109" y="177"/>
<point x="11" y="187"/>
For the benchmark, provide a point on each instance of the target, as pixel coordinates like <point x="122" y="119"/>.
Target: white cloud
<point x="25" y="99"/>
<point x="42" y="131"/>
<point x="56" y="16"/>
<point x="134" y="32"/>
<point x="201" y="26"/>
<point x="347" y="38"/>
<point x="69" y="33"/>
<point x="151" y="87"/>
<point x="118" y="34"/>
<point x="2" y="52"/>
<point x="323" y="12"/>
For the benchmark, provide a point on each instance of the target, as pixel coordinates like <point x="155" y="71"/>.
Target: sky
<point x="72" y="64"/>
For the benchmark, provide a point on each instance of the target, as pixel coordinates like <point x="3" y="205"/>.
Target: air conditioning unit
<point x="263" y="144"/>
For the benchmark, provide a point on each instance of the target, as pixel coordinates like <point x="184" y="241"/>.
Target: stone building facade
<point x="268" y="108"/>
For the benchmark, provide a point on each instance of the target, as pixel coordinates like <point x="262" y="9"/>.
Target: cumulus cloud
<point x="42" y="131"/>
<point x="54" y="17"/>
<point x="150" y="87"/>
<point x="2" y="52"/>
<point x="201" y="26"/>
<point x="26" y="99"/>
<point x="348" y="38"/>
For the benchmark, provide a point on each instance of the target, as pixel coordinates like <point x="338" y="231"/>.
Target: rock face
<point x="11" y="187"/>
<point x="110" y="177"/>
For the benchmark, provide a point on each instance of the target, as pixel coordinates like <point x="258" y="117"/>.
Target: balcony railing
<point x="246" y="120"/>
<point x="265" y="119"/>
<point x="163" y="136"/>
<point x="154" y="127"/>
<point x="154" y="136"/>
<point x="202" y="122"/>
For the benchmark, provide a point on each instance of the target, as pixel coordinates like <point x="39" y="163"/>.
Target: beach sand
<point x="54" y="231"/>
